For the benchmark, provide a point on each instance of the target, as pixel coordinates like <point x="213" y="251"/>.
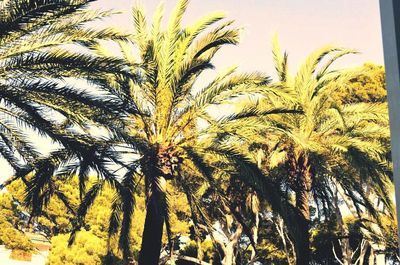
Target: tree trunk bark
<point x="229" y="257"/>
<point x="230" y="248"/>
<point x="254" y="232"/>
<point x="281" y="231"/>
<point x="363" y="251"/>
<point x="303" y="189"/>
<point x="228" y="243"/>
<point x="153" y="227"/>
<point x="302" y="244"/>
<point x="193" y="260"/>
<point x="200" y="254"/>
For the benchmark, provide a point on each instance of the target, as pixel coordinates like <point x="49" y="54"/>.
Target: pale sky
<point x="302" y="26"/>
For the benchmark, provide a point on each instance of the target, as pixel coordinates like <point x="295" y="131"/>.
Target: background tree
<point x="10" y="234"/>
<point x="368" y="86"/>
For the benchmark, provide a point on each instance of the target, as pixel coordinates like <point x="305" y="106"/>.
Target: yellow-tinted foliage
<point x="91" y="244"/>
<point x="87" y="249"/>
<point x="9" y="235"/>
<point x="369" y="86"/>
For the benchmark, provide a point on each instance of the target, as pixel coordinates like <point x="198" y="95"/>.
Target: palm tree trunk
<point x="303" y="243"/>
<point x="153" y="227"/>
<point x="303" y="190"/>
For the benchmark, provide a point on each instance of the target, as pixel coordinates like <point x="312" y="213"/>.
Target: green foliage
<point x="93" y="240"/>
<point x="87" y="249"/>
<point x="368" y="86"/>
<point x="323" y="238"/>
<point x="270" y="252"/>
<point x="10" y="236"/>
<point x="14" y="239"/>
<point x="191" y="250"/>
<point x="271" y="247"/>
<point x="389" y="236"/>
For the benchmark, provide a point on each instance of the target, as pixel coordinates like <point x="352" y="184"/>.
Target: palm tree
<point x="32" y="61"/>
<point x="33" y="64"/>
<point x="174" y="136"/>
<point x="325" y="145"/>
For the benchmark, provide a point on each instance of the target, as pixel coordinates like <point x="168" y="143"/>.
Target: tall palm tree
<point x="327" y="141"/>
<point x="174" y="136"/>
